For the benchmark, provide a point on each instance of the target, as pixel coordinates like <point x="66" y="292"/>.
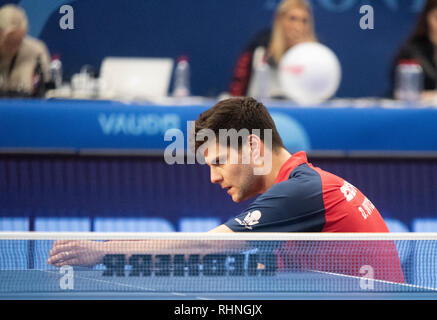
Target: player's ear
<point x="256" y="147"/>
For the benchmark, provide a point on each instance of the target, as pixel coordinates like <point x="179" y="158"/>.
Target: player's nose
<point x="215" y="176"/>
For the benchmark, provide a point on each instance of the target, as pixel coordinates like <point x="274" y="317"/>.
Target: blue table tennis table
<point x="25" y="274"/>
<point x="91" y="284"/>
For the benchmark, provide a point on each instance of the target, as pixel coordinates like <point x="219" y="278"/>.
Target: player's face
<point x="432" y="26"/>
<point x="296" y="25"/>
<point x="236" y="178"/>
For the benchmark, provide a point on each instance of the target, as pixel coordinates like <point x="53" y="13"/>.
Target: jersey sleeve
<point x="289" y="206"/>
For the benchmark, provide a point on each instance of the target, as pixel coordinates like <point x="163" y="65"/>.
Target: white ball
<point x="309" y="73"/>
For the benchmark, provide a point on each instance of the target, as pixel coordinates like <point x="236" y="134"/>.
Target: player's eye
<point x="220" y="161"/>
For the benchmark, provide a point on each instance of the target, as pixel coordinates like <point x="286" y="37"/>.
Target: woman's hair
<point x="12" y="18"/>
<point x="278" y="45"/>
<point x="421" y="30"/>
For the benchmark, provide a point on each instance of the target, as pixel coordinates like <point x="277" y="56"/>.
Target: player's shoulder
<point x="302" y="178"/>
<point x="295" y="204"/>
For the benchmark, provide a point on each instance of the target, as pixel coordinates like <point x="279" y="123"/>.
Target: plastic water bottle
<point x="56" y="71"/>
<point x="262" y="71"/>
<point x="182" y="78"/>
<point x="409" y="81"/>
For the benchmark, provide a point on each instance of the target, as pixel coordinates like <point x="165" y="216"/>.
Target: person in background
<point x="421" y="46"/>
<point x="293" y="24"/>
<point x="23" y="60"/>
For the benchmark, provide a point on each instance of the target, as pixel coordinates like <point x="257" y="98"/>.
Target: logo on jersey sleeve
<point x="349" y="191"/>
<point x="251" y="219"/>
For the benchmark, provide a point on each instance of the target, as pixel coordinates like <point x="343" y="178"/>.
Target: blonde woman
<point x="19" y="53"/>
<point x="293" y="24"/>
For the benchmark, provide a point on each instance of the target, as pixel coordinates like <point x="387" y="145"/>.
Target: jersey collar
<point x="295" y="160"/>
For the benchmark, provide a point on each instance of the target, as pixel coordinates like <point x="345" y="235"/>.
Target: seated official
<point x="421" y="47"/>
<point x="293" y="24"/>
<point x="24" y="61"/>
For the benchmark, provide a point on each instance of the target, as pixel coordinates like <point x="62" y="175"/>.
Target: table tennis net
<point x="243" y="263"/>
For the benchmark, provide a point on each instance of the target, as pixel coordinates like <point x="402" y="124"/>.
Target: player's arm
<point x="87" y="253"/>
<point x="221" y="229"/>
<point x="290" y="206"/>
<point x="281" y="209"/>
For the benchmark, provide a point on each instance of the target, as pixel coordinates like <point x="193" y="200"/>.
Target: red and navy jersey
<point x="308" y="199"/>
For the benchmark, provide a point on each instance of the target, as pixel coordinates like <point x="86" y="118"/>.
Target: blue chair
<point x="131" y="224"/>
<point x="13" y="253"/>
<point x="198" y="224"/>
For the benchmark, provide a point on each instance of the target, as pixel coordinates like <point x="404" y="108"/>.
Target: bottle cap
<point x="408" y="62"/>
<point x="182" y="58"/>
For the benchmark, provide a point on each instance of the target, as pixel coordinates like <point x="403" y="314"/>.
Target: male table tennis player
<point x="293" y="196"/>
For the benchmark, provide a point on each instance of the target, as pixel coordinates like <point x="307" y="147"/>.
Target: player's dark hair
<point x="238" y="113"/>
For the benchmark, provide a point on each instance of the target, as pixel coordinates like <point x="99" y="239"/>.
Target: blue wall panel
<point x="147" y="188"/>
